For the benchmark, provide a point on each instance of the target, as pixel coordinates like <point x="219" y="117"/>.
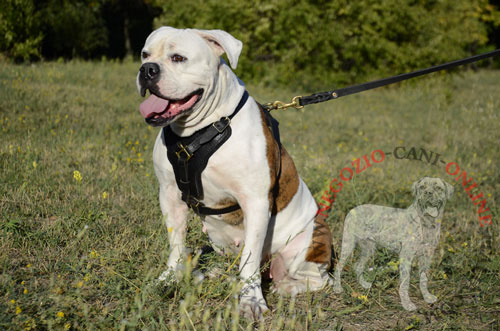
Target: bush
<point x="20" y="36"/>
<point x="306" y="43"/>
<point x="315" y="42"/>
<point x="73" y="29"/>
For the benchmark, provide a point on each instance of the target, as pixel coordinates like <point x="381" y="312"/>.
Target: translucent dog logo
<point x="412" y="232"/>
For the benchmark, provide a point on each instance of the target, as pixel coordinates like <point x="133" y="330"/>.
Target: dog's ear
<point x="449" y="189"/>
<point x="222" y="42"/>
<point x="414" y="187"/>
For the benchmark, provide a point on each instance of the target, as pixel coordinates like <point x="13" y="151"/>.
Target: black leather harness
<point x="189" y="157"/>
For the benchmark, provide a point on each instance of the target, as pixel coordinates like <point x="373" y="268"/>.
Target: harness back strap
<point x="189" y="157"/>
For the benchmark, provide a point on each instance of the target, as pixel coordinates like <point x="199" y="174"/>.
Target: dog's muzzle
<point x="158" y="109"/>
<point x="149" y="76"/>
<point x="430" y="204"/>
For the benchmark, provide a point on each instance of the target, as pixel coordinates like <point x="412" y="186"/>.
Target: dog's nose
<point x="150" y="70"/>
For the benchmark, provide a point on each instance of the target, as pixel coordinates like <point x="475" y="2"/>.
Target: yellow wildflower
<point x="25" y="291"/>
<point x="394" y="265"/>
<point x="104" y="195"/>
<point x="79" y="284"/>
<point x="77" y="176"/>
<point x="34" y="164"/>
<point x="363" y="298"/>
<point x="60" y="314"/>
<point x="451" y="250"/>
<point x="67" y="326"/>
<point x="13" y="301"/>
<point x="18" y="310"/>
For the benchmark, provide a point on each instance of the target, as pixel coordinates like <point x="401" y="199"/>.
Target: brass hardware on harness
<point x="281" y="105"/>
<point x="183" y="150"/>
<point x="228" y="121"/>
<point x="335" y="95"/>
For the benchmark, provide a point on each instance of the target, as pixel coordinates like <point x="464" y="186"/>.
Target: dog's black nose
<point x="150" y="70"/>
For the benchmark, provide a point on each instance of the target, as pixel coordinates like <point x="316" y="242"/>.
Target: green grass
<point x="84" y="254"/>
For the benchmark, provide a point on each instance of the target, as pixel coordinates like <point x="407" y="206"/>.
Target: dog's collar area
<point x="189" y="157"/>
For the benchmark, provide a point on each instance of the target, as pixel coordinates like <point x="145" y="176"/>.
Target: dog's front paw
<point x="429" y="298"/>
<point x="337" y="288"/>
<point x="364" y="283"/>
<point x="172" y="275"/>
<point x="252" y="303"/>
<point x="408" y="305"/>
<point x="253" y="308"/>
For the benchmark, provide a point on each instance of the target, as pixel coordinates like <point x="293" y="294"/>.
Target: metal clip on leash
<point x="280" y="105"/>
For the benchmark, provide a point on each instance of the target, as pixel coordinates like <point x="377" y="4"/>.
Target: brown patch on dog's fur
<point x="281" y="193"/>
<point x="234" y="218"/>
<point x="320" y="249"/>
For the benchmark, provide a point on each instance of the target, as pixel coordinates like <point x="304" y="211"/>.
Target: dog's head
<point x="180" y="68"/>
<point x="431" y="195"/>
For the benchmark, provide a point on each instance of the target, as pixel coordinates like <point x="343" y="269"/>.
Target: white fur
<point x="238" y="170"/>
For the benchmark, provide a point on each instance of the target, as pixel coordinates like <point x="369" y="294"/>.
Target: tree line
<point x="309" y="42"/>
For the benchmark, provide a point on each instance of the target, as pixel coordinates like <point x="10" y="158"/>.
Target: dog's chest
<point x="238" y="168"/>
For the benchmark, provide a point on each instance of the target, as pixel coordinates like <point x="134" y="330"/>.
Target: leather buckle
<point x="194" y="204"/>
<point x="183" y="150"/>
<point x="228" y="121"/>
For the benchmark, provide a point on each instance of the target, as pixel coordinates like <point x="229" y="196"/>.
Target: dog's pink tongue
<point x="433" y="211"/>
<point x="152" y="106"/>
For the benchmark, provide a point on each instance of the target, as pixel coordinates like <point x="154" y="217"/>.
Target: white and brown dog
<point x="191" y="88"/>
<point x="412" y="232"/>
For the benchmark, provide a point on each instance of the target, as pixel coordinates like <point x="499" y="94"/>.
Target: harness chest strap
<point x="189" y="157"/>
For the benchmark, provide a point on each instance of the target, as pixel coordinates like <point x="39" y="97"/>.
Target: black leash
<point x="299" y="102"/>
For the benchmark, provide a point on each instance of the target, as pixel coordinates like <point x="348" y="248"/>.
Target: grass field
<point x="81" y="238"/>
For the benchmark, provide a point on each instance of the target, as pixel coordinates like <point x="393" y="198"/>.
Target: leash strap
<point x="189" y="157"/>
<point x="299" y="101"/>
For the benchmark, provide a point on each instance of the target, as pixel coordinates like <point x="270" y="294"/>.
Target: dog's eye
<point x="177" y="58"/>
<point x="145" y="55"/>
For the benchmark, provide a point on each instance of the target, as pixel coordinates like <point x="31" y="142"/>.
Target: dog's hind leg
<point x="348" y="244"/>
<point x="306" y="263"/>
<point x="367" y="250"/>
